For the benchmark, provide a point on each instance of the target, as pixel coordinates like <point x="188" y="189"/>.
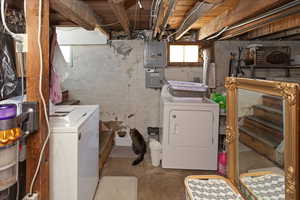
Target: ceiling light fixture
<point x="140" y="4"/>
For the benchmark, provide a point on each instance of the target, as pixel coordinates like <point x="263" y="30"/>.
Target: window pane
<point x="191" y="53"/>
<point x="176" y="53"/>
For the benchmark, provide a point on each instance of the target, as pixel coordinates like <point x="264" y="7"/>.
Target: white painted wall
<point x="113" y="76"/>
<point x="246" y="99"/>
<point x="79" y="36"/>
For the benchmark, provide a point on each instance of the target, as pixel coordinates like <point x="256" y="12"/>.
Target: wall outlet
<point x="34" y="196"/>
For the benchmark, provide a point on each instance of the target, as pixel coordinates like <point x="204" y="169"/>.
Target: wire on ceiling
<point x="267" y="14"/>
<point x="185" y="20"/>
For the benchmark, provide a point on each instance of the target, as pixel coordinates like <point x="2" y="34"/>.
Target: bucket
<point x="155" y="152"/>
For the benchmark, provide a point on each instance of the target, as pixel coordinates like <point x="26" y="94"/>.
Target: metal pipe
<point x="156" y="10"/>
<point x="170" y="10"/>
<point x="253" y="27"/>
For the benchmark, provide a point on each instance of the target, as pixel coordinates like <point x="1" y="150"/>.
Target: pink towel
<point x="55" y="87"/>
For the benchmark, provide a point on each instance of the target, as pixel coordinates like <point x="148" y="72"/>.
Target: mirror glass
<point x="261" y="144"/>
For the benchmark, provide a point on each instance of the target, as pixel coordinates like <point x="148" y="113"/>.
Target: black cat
<point x="138" y="145"/>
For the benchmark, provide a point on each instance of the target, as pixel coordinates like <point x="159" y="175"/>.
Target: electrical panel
<point x="155" y="54"/>
<point x="154" y="78"/>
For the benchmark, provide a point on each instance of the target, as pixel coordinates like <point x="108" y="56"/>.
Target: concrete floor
<point x="250" y="160"/>
<point x="154" y="183"/>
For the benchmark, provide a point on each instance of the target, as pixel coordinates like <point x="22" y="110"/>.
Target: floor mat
<point x="117" y="187"/>
<point x="122" y="152"/>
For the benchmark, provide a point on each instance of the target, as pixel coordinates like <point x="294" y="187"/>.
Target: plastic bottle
<point x="222" y="163"/>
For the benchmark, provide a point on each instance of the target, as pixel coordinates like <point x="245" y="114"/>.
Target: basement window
<point x="184" y="54"/>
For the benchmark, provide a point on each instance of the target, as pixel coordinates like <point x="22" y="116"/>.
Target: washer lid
<point x="69" y="118"/>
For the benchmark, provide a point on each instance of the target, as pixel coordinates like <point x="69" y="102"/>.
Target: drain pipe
<point x="267" y="14"/>
<point x="206" y="61"/>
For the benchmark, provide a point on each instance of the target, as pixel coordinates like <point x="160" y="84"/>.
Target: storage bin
<point x="210" y="187"/>
<point x="262" y="185"/>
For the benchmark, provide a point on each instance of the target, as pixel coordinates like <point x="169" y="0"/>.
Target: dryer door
<point x="192" y="128"/>
<point x="192" y="140"/>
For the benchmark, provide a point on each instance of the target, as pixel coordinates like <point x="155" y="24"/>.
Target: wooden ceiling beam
<point x="199" y="10"/>
<point x="79" y="13"/>
<point x="259" y="23"/>
<point x="283" y="24"/>
<point x="159" y="18"/>
<point x="129" y="3"/>
<point x="244" y="9"/>
<point x="293" y="37"/>
<point x="283" y="34"/>
<point x="119" y="10"/>
<point x="170" y="8"/>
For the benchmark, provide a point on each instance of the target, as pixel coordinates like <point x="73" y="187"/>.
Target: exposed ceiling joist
<point x="170" y="9"/>
<point x="199" y="10"/>
<point x="283" y="34"/>
<point x="159" y="18"/>
<point x="78" y="12"/>
<point x="121" y="14"/>
<point x="260" y="23"/>
<point x="245" y="9"/>
<point x="129" y="3"/>
<point x="294" y="37"/>
<point x="283" y="24"/>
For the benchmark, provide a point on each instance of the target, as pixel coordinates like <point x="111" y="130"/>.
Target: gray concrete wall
<point x="113" y="76"/>
<point x="222" y="56"/>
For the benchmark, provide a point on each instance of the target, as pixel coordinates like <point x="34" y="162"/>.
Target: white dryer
<point x="189" y="132"/>
<point x="74" y="152"/>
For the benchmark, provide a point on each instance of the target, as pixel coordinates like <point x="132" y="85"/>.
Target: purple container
<point x="8" y="111"/>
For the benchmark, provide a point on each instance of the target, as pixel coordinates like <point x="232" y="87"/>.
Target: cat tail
<point x="138" y="160"/>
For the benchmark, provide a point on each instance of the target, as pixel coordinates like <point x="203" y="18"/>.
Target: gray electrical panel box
<point x="154" y="77"/>
<point x="155" y="54"/>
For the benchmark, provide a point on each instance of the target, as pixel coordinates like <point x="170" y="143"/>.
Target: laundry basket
<point x="210" y="187"/>
<point x="262" y="185"/>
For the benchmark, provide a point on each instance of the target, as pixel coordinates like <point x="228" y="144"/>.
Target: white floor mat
<point x="117" y="187"/>
<point x="122" y="152"/>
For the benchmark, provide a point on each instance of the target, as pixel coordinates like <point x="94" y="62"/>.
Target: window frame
<point x="184" y="64"/>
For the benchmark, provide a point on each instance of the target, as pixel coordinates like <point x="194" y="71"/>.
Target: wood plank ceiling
<point x="208" y="17"/>
<point x="138" y="17"/>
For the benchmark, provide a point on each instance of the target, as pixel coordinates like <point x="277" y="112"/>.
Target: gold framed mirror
<point x="289" y="93"/>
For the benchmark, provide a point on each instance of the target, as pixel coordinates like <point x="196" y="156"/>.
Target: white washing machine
<point x="189" y="132"/>
<point x="74" y="152"/>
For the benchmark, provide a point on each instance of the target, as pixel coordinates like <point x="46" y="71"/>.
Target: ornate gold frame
<point x="290" y="93"/>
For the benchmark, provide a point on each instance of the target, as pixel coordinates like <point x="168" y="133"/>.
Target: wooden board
<point x="35" y="141"/>
<point x="274" y="116"/>
<point x="283" y="24"/>
<point x="258" y="146"/>
<point x="244" y="10"/>
<point x="273" y="102"/>
<point x="106" y="145"/>
<point x="264" y="130"/>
